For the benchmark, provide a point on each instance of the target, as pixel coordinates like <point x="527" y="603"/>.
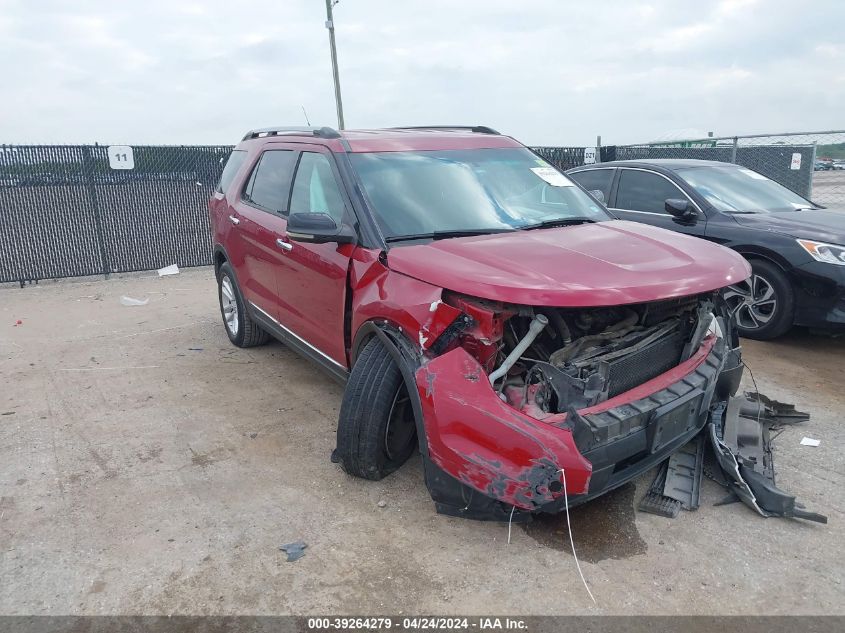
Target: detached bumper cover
<point x="483" y="445"/>
<point x="743" y="449"/>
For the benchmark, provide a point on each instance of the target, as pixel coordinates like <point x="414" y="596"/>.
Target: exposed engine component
<point x="537" y="324"/>
<point x="578" y="358"/>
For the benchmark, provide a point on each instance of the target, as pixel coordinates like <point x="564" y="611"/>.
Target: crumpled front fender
<point x="489" y="446"/>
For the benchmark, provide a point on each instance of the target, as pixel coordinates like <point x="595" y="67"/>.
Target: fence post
<point x="88" y="175"/>
<point x="733" y="150"/>
<point x="812" y="170"/>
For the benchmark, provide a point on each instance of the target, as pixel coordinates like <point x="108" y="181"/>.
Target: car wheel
<point x="376" y="432"/>
<point x="763" y="305"/>
<point x="241" y="329"/>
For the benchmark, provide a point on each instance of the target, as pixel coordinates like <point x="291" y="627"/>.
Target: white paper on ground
<point x="173" y="269"/>
<point x="130" y="301"/>
<point x="809" y="441"/>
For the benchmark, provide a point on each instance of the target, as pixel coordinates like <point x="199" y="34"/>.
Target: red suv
<point x="480" y="307"/>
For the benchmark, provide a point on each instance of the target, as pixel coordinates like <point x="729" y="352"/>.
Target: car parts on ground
<point x="738" y="435"/>
<point x="678" y="482"/>
<point x="741" y="440"/>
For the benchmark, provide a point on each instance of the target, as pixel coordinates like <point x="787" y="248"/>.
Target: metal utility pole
<point x="330" y="27"/>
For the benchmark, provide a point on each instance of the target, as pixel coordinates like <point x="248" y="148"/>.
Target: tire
<point x="376" y="432"/>
<point x="239" y="326"/>
<point x="764" y="305"/>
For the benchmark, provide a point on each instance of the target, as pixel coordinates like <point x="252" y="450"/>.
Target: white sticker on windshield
<point x="753" y="174"/>
<point x="553" y="176"/>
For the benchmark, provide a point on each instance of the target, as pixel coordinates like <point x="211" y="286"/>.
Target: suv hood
<point x="608" y="263"/>
<point x="824" y="225"/>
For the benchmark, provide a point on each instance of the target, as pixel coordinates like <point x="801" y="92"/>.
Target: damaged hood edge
<point x="602" y="264"/>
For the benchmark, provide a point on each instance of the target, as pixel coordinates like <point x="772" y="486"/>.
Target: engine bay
<point x="557" y="359"/>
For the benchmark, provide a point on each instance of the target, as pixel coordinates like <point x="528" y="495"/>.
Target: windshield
<point x="741" y="190"/>
<point x="473" y="190"/>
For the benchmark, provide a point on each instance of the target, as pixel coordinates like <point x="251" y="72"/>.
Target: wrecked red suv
<point x="480" y="306"/>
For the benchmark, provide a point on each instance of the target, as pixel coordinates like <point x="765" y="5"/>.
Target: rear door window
<point x="269" y="184"/>
<point x="595" y="179"/>
<point x="233" y="165"/>
<point x="645" y="191"/>
<point x="315" y="189"/>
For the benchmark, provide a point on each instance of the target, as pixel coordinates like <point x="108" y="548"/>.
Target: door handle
<point x="234" y="220"/>
<point x="285" y="246"/>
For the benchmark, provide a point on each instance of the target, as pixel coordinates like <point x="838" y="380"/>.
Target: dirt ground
<point x="147" y="466"/>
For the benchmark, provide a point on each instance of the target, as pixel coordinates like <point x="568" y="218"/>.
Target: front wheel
<point x="763" y="305"/>
<point x="376" y="432"/>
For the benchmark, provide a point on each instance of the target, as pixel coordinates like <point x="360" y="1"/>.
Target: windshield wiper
<point x="548" y="224"/>
<point x="443" y="235"/>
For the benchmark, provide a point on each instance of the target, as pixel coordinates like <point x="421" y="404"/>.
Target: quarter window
<point x="645" y="191"/>
<point x="233" y="165"/>
<point x="315" y="189"/>
<point x="269" y="184"/>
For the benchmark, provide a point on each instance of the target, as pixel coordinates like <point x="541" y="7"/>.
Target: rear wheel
<point x="376" y="432"/>
<point x="241" y="329"/>
<point x="763" y="305"/>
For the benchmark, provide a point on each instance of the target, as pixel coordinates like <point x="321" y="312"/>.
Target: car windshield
<point x="740" y="190"/>
<point x="421" y="193"/>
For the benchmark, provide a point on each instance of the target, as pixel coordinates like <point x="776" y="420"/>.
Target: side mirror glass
<point x="318" y="228"/>
<point x="598" y="194"/>
<point x="680" y="209"/>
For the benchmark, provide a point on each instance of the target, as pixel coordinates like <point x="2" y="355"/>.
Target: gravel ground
<point x="147" y="466"/>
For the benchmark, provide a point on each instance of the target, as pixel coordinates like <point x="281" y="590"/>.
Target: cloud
<point x="679" y="38"/>
<point x="546" y="72"/>
<point x="733" y="7"/>
<point x="831" y="50"/>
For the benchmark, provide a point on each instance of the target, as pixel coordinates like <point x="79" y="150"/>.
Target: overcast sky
<point x="554" y="72"/>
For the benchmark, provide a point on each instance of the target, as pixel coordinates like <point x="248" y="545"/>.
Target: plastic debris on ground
<point x="295" y="551"/>
<point x="678" y="481"/>
<point x="770" y="411"/>
<point x="683" y="476"/>
<point x="739" y="458"/>
<point x="655" y="502"/>
<point x="173" y="269"/>
<point x="131" y="301"/>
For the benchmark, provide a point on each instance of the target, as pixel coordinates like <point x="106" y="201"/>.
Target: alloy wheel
<point x="229" y="304"/>
<point x="752" y="302"/>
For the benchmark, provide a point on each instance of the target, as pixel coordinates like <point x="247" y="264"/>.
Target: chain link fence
<point x="562" y="157"/>
<point x="74" y="210"/>
<point x="811" y="164"/>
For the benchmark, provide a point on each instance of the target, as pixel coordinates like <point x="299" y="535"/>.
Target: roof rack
<point x="322" y="132"/>
<point x="478" y="129"/>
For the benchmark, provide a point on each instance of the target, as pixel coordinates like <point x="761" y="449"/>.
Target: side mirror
<point x="598" y="194"/>
<point x="318" y="228"/>
<point x="680" y="209"/>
